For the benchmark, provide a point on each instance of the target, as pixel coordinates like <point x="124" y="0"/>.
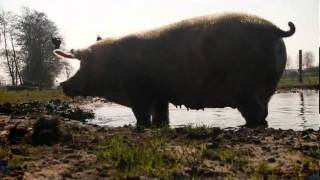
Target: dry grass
<point x="307" y="81"/>
<point x="31" y="95"/>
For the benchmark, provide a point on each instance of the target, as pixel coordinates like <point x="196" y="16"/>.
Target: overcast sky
<point x="80" y="21"/>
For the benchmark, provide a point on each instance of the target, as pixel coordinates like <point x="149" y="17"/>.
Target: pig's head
<point x="86" y="81"/>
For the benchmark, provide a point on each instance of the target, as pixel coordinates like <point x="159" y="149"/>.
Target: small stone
<point x="16" y="150"/>
<point x="206" y="172"/>
<point x="67" y="150"/>
<point x="313" y="137"/>
<point x="239" y="139"/>
<point x="305" y="168"/>
<point x="271" y="160"/>
<point x="306" y="137"/>
<point x="227" y="136"/>
<point x="16" y="134"/>
<point x="256" y="141"/>
<point x="265" y="148"/>
<point x="212" y="145"/>
<point x="3" y="164"/>
<point x="187" y="169"/>
<point x="3" y="133"/>
<point x="298" y="161"/>
<point x="66" y="175"/>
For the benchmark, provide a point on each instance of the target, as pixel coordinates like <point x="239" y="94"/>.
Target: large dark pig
<point x="228" y="60"/>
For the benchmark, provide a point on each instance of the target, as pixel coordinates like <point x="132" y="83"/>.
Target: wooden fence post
<point x="300" y="66"/>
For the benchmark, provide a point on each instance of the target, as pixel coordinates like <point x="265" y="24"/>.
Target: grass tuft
<point x="13" y="161"/>
<point x="222" y="154"/>
<point x="227" y="155"/>
<point x="265" y="168"/>
<point x="133" y="160"/>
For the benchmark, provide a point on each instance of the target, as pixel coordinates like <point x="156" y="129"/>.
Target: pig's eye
<point x="85" y="64"/>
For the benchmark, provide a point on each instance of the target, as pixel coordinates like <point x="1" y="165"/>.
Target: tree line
<point x="26" y="48"/>
<point x="308" y="60"/>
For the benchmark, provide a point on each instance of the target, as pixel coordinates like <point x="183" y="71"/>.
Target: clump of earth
<point x="52" y="107"/>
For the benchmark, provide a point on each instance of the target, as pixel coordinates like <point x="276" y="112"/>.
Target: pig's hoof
<point x="260" y="124"/>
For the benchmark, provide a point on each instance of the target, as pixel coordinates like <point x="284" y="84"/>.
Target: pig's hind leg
<point x="160" y="113"/>
<point x="254" y="110"/>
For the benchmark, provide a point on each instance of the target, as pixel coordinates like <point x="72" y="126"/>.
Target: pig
<point x="222" y="60"/>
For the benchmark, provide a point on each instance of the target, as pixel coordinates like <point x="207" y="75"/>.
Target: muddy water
<point x="298" y="111"/>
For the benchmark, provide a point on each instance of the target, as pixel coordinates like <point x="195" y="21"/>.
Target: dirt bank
<point x="298" y="87"/>
<point x="90" y="152"/>
<point x="64" y="109"/>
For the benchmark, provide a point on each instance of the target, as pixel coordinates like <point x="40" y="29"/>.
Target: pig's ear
<point x="60" y="53"/>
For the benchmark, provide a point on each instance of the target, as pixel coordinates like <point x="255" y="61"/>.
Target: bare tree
<point x="16" y="61"/>
<point x="4" y="20"/>
<point x="68" y="69"/>
<point x="289" y="62"/>
<point x="2" y="81"/>
<point x="308" y="59"/>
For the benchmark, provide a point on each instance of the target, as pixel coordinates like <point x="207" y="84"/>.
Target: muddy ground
<point x="85" y="151"/>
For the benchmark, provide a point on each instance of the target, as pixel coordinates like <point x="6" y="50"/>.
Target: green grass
<point x="265" y="168"/>
<point x="5" y="152"/>
<point x="307" y="81"/>
<point x="31" y="95"/>
<point x="147" y="158"/>
<point x="222" y="154"/>
<point x="151" y="157"/>
<point x="228" y="155"/>
<point x="14" y="162"/>
<point x="165" y="153"/>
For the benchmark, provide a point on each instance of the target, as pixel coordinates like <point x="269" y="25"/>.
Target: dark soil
<point x="53" y="107"/>
<point x="197" y="152"/>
